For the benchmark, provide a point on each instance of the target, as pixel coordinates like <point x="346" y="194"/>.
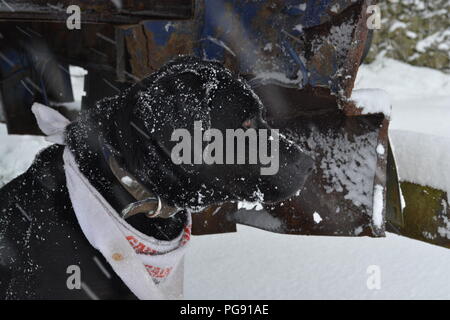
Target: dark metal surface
<point x="304" y="76"/>
<point x="340" y="189"/>
<point x="96" y="11"/>
<point x="415" y="211"/>
<point x="301" y="56"/>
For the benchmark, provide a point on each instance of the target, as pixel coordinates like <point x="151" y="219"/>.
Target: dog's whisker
<point x="101" y="267"/>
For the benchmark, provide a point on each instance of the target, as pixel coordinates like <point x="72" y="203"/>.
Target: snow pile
<point x="440" y="39"/>
<point x="17" y="153"/>
<point x="402" y="81"/>
<point x="420" y="121"/>
<point x="372" y="101"/>
<point x="422" y="158"/>
<point x="378" y="206"/>
<point x="256" y="264"/>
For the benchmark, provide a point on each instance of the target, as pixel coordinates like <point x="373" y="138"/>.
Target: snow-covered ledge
<point x="372" y="101"/>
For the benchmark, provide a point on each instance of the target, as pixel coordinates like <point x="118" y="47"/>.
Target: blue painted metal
<point x="262" y="37"/>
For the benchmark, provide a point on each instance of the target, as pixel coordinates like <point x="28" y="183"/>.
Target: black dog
<point x="39" y="233"/>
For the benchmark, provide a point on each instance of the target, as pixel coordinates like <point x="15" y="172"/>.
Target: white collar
<point x="151" y="268"/>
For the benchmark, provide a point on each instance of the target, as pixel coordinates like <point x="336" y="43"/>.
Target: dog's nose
<point x="294" y="168"/>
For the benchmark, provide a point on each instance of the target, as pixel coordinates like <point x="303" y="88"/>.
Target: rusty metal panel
<point x="151" y="44"/>
<point x="340" y="189"/>
<point x="214" y="220"/>
<point x="297" y="43"/>
<point x="95" y="11"/>
<point x="426" y="216"/>
<point x="301" y="57"/>
<point x="416" y="211"/>
<point x="92" y="46"/>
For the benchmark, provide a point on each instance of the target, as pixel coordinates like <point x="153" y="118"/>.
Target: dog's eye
<point x="247" y="124"/>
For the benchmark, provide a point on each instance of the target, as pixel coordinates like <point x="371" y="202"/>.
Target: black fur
<point x="39" y="234"/>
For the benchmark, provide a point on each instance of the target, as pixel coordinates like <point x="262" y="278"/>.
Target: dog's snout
<point x="295" y="167"/>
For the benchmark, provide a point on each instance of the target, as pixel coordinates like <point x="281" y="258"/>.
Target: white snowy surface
<point x="423" y="158"/>
<point x="17" y="153"/>
<point x="403" y="81"/>
<point x="420" y="121"/>
<point x="256" y="264"/>
<point x="372" y="101"/>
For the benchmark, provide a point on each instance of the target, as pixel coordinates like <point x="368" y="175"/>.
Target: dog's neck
<point x="84" y="144"/>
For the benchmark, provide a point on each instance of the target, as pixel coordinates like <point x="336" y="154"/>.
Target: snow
<point x="278" y="76"/>
<point x="397" y="25"/>
<point x="402" y="81"/>
<point x="431" y="40"/>
<point x="317" y="218"/>
<point x="377" y="216"/>
<point x="347" y="164"/>
<point x="372" y="101"/>
<point x="17" y="153"/>
<point x="247" y="205"/>
<point x="380" y="149"/>
<point x="268" y="47"/>
<point x="127" y="181"/>
<point x="256" y="264"/>
<point x="445" y="231"/>
<point x="262" y="219"/>
<point x="299" y="28"/>
<point x="419" y="129"/>
<point x="423" y="158"/>
<point x="402" y="199"/>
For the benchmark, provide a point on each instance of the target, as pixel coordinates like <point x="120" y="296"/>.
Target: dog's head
<point x="144" y="119"/>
